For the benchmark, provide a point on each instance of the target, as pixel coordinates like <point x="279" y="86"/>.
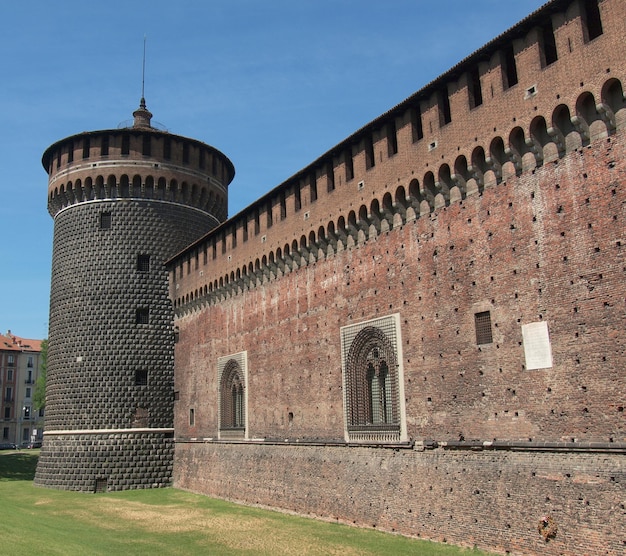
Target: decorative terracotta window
<point x="372" y="372"/>
<point x="232" y="371"/>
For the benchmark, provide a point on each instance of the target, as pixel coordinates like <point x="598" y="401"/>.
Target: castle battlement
<point x="137" y="163"/>
<point x="547" y="87"/>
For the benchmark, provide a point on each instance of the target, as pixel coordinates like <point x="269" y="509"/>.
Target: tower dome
<point x="123" y="201"/>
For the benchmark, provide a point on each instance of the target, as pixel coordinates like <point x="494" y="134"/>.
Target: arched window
<point x="372" y="381"/>
<point x="380" y="389"/>
<point x="232" y="396"/>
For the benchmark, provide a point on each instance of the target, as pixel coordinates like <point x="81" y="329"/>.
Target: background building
<point x="20" y="365"/>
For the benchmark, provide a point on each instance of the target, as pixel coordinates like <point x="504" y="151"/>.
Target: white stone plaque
<point x="537" y="348"/>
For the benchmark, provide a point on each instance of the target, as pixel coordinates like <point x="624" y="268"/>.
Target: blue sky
<point x="273" y="84"/>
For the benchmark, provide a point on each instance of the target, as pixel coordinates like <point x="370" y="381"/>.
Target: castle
<point x="422" y="331"/>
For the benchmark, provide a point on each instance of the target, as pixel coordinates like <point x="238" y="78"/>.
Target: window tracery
<point x="232" y="396"/>
<point x="372" y="381"/>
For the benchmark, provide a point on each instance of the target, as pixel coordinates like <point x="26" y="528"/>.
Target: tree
<point x="39" y="399"/>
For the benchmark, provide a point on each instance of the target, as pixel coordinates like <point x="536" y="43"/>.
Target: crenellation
<point x="547" y="138"/>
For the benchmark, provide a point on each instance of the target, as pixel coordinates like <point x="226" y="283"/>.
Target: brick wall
<point x="548" y="246"/>
<point x="521" y="217"/>
<point x="489" y="499"/>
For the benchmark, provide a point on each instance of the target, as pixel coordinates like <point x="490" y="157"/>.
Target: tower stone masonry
<point x="123" y="202"/>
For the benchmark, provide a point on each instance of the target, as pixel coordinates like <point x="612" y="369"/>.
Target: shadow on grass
<point x="18" y="466"/>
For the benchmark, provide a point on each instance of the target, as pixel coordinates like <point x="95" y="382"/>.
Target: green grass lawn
<point x="37" y="520"/>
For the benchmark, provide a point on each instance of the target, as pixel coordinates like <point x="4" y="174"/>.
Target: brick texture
<point x="488" y="499"/>
<point x="515" y="207"/>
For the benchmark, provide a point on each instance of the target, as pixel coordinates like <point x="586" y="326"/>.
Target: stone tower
<point x="123" y="201"/>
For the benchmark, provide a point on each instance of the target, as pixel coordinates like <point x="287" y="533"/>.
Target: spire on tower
<point x="142" y="115"/>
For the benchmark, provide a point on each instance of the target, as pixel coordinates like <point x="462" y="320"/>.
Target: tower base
<point x="106" y="460"/>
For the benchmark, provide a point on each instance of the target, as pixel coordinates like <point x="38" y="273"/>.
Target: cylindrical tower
<point x="123" y="202"/>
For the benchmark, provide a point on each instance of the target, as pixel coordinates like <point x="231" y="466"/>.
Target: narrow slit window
<point x="330" y="178"/>
<point x="392" y="138"/>
<point x="509" y="68"/>
<point x="370" y="159"/>
<point x="86" y="147"/>
<point x="104" y="146"/>
<point x="146" y="149"/>
<point x="313" y="188"/>
<point x="349" y="165"/>
<point x="474" y="89"/>
<point x="297" y="197"/>
<point x="591" y="20"/>
<point x="125" y="144"/>
<point x="167" y="148"/>
<point x="270" y="214"/>
<point x="416" y="124"/>
<point x="548" y="44"/>
<point x="443" y="98"/>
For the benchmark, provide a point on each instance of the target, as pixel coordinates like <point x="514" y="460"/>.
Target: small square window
<point x="143" y="263"/>
<point x="483" y="328"/>
<point x="141" y="377"/>
<point x="142" y="316"/>
<point x="105" y="220"/>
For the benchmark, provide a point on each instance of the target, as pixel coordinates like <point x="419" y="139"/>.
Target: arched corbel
<point x="582" y="127"/>
<point x="607" y="115"/>
<point x="558" y="139"/>
<point x="515" y="157"/>
<point x="535" y="147"/>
